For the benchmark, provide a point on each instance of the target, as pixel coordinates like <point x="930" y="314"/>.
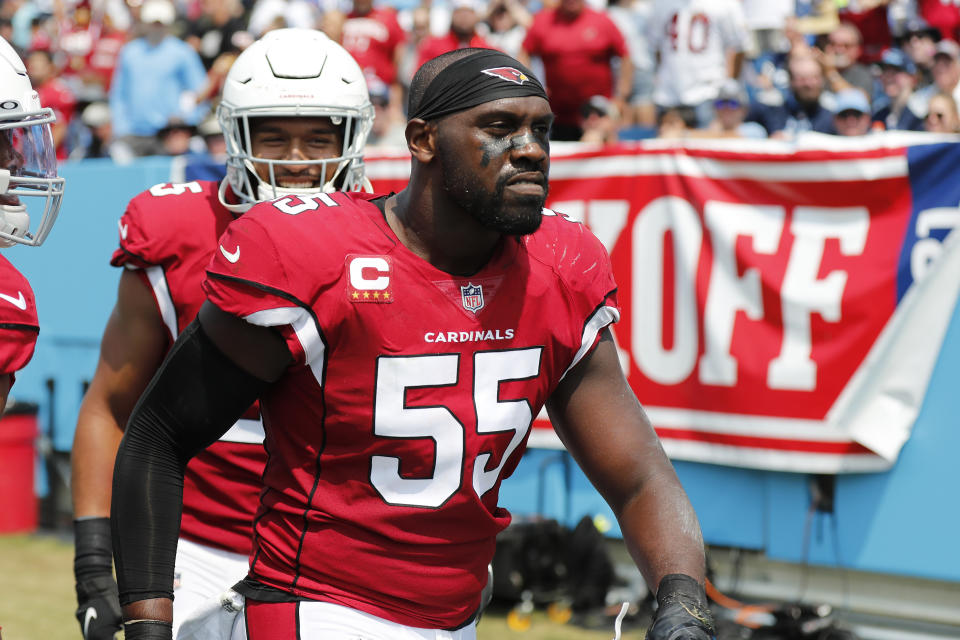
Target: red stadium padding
<point x="18" y="501"/>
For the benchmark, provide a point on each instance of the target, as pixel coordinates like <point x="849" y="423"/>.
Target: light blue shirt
<point x="149" y="84"/>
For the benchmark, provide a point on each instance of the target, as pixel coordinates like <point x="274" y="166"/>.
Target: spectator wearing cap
<point x="919" y="42"/>
<point x="177" y="138"/>
<point x="206" y="155"/>
<point x="95" y="138"/>
<point x="942" y="115"/>
<point x="386" y="131"/>
<point x="730" y="111"/>
<point x="464" y="18"/>
<point x="840" y="60"/>
<point x="899" y="105"/>
<point x="807" y="106"/>
<point x="852" y="117"/>
<point x="946" y="72"/>
<point x="577" y="46"/>
<point x="157" y="78"/>
<point x="372" y="35"/>
<point x="598" y="120"/>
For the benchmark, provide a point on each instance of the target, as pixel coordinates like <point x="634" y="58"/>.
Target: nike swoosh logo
<point x="231" y="257"/>
<point x="123" y="230"/>
<point x="19" y="303"/>
<point x="87" y="618"/>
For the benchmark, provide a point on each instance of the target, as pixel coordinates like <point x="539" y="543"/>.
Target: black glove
<point x="99" y="610"/>
<point x="682" y="612"/>
<point x="148" y="630"/>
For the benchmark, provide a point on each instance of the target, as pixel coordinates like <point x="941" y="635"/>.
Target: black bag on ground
<point x="552" y="563"/>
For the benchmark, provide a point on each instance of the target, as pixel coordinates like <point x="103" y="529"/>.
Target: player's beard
<point x="520" y="217"/>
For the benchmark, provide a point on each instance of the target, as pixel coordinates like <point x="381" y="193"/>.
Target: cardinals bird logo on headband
<point x="508" y="73"/>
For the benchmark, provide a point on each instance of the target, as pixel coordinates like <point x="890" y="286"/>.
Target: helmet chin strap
<point x="14" y="221"/>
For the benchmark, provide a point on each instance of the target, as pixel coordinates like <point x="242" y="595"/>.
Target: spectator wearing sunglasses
<point x="729" y="114"/>
<point x="900" y="106"/>
<point x="942" y="115"/>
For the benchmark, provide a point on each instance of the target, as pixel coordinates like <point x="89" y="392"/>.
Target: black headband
<point x="481" y="77"/>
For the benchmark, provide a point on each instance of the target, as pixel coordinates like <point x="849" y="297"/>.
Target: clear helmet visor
<point x="30" y="190"/>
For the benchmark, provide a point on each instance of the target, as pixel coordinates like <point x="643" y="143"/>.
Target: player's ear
<point x="421" y="140"/>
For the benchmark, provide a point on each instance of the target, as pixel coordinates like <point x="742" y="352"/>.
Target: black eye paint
<point x="494" y="148"/>
<point x="501" y="146"/>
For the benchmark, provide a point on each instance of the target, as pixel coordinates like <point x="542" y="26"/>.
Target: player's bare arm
<point x="600" y="421"/>
<point x="602" y="424"/>
<point x="131" y="350"/>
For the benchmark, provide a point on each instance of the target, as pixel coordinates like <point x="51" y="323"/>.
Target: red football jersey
<point x="433" y="46"/>
<point x="410" y="400"/>
<point x="372" y="39"/>
<point x="169" y="232"/>
<point x="18" y="319"/>
<point x="576" y="56"/>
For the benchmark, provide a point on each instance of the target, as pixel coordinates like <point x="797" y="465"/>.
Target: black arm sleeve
<point x="196" y="395"/>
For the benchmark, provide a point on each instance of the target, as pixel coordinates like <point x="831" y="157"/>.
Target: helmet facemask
<point x="30" y="191"/>
<point x="344" y="172"/>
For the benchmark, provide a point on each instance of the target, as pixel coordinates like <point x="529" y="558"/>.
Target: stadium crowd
<point x="129" y="78"/>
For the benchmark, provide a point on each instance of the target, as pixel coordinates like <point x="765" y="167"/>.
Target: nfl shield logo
<point x="472" y="296"/>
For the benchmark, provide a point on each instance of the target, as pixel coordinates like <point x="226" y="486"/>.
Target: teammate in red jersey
<point x="28" y="173"/>
<point x="401" y="346"/>
<point x="295" y="114"/>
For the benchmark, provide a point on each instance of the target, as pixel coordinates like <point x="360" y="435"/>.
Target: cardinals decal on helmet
<point x="508" y="73"/>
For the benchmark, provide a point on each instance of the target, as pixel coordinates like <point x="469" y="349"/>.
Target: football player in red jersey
<point x="401" y="346"/>
<point x="28" y="169"/>
<point x="295" y="115"/>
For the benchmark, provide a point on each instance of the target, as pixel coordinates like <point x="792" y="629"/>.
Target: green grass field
<point x="37" y="598"/>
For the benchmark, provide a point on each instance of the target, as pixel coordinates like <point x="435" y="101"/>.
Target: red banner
<point x="767" y="293"/>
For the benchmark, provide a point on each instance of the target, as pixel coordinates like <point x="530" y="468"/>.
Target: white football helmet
<point x="28" y="160"/>
<point x="299" y="73"/>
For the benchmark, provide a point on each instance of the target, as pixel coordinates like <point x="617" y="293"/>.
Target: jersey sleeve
<point x="247" y="278"/>
<point x="137" y="247"/>
<point x="18" y="320"/>
<point x="587" y="275"/>
<point x="16" y="347"/>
